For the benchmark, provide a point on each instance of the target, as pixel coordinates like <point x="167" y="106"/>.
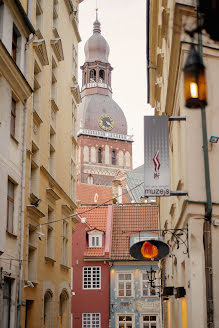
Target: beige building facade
<point x="50" y="199"/>
<point x="39" y="96"/>
<point x="168" y="47"/>
<point x="15" y="92"/>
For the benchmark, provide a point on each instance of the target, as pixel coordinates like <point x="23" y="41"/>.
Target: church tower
<point x="103" y="143"/>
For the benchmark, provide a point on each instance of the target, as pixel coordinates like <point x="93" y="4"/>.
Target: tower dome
<point x="96" y="48"/>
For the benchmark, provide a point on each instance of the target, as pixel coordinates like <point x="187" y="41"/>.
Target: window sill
<point x="11" y="234"/>
<point x="63" y="266"/>
<point x="50" y="259"/>
<point x="15" y="140"/>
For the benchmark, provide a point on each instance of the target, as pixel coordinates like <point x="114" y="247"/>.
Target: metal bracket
<point x="180" y="236"/>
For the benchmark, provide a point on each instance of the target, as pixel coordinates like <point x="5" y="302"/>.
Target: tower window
<point x="113" y="157"/>
<point x="99" y="155"/>
<point x="93" y="75"/>
<point x="101" y="76"/>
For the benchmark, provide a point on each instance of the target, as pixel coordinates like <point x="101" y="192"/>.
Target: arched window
<point x="99" y="155"/>
<point x="90" y="179"/>
<point x="113" y="157"/>
<point x="47" y="317"/>
<point x="85" y="78"/>
<point x="93" y="75"/>
<point x="63" y="309"/>
<point x="101" y="76"/>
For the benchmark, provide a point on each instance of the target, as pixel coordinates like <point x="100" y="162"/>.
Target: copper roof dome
<point x="93" y="106"/>
<point x="96" y="48"/>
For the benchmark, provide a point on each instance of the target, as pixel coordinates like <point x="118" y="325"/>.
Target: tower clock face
<point x="106" y="122"/>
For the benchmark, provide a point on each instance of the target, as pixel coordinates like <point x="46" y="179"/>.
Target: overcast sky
<point x="123" y="26"/>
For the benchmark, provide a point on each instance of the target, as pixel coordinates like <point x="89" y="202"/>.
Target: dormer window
<point x="95" y="238"/>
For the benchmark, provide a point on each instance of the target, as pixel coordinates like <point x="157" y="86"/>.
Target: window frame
<point x="10" y="200"/>
<point x="96" y="236"/>
<point x="132" y="315"/>
<point x="99" y="155"/>
<point x="92" y="276"/>
<point x="13" y="115"/>
<point x="125" y="289"/>
<point x="91" y="314"/>
<point x="150" y="321"/>
<point x="113" y="157"/>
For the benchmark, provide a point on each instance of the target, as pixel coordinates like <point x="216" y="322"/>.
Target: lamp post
<point x="195" y="93"/>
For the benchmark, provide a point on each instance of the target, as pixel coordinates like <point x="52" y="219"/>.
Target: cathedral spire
<point x="96" y="28"/>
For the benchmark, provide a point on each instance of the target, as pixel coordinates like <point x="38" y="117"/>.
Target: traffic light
<point x="149" y="250"/>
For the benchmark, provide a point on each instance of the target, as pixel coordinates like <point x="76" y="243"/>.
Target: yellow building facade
<point x="168" y="47"/>
<point x="50" y="178"/>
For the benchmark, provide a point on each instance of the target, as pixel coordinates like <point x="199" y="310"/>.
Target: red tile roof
<point x="96" y="217"/>
<point x="94" y="252"/>
<point x="92" y="194"/>
<point x="130" y="220"/>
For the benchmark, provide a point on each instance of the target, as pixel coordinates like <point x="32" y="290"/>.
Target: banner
<point x="156" y="156"/>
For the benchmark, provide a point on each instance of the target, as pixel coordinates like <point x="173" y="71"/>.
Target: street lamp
<point x="151" y="276"/>
<point x="194" y="80"/>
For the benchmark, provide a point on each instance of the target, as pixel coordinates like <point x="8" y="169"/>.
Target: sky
<point x="123" y="25"/>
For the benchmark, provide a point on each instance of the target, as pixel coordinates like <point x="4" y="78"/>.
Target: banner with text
<point x="156" y="156"/>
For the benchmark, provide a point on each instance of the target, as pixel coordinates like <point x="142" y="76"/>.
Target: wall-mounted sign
<point x="156" y="156"/>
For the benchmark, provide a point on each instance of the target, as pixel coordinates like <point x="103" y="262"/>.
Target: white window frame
<point x="93" y="277"/>
<point x="125" y="322"/>
<point x="149" y="322"/>
<point x="149" y="288"/>
<point x="125" y="283"/>
<point x="92" y="318"/>
<point x="95" y="239"/>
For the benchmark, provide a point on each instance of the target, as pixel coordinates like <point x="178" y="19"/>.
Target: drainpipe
<point x="207" y="231"/>
<point x="21" y="223"/>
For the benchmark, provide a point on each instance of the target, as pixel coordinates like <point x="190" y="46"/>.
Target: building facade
<point x="15" y="28"/>
<point x="168" y="47"/>
<point x="50" y="178"/>
<point x="91" y="246"/>
<point x="134" y="301"/>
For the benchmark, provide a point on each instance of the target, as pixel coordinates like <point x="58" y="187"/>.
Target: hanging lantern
<point x="194" y="80"/>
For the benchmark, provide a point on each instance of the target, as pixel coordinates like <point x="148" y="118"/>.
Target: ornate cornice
<point x="13" y="75"/>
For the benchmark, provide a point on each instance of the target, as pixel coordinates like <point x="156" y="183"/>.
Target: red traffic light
<point x="151" y="250"/>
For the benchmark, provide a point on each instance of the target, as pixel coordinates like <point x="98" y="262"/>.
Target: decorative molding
<point x="52" y="194"/>
<point x="54" y="105"/>
<point x="36" y="117"/>
<point x="33" y="210"/>
<point x="104" y="134"/>
<point x="13" y="75"/>
<point x="75" y="90"/>
<point x="56" y="44"/>
<point x="68" y="211"/>
<point x="40" y="48"/>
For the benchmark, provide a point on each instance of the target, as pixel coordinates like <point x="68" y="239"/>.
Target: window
<point x="47" y="318"/>
<point x="91" y="278"/>
<point x="99" y="155"/>
<point x="91" y="320"/>
<point x="101" y="76"/>
<point x="95" y="240"/>
<point x="149" y="321"/>
<point x="125" y="321"/>
<point x="93" y="75"/>
<point x="65" y="228"/>
<point x="14" y="45"/>
<point x="125" y="284"/>
<point x="10" y="206"/>
<point x="147" y="290"/>
<point x="13" y="117"/>
<point x="113" y="157"/>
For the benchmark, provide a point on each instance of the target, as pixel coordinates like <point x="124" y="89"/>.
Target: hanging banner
<point x="156" y="156"/>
